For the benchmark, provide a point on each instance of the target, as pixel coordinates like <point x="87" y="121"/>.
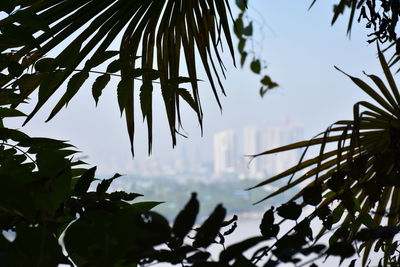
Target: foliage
<point x="359" y="179"/>
<point x="53" y="216"/>
<point x="80" y="35"/>
<point x="244" y="33"/>
<point x="381" y="17"/>
<point x="342" y="5"/>
<point x="46" y="199"/>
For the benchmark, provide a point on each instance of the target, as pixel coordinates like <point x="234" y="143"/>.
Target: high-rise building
<point x="276" y="137"/>
<point x="225" y="152"/>
<point x="251" y="147"/>
<point x="269" y="138"/>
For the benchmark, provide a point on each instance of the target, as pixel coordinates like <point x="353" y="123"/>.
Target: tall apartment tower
<point x="251" y="147"/>
<point x="270" y="138"/>
<point x="224" y="152"/>
<point x="275" y="137"/>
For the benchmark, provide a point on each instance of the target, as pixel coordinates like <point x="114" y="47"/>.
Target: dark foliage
<point x="47" y="198"/>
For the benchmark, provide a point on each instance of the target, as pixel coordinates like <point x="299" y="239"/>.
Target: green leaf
<point x="255" y="66"/>
<point x="7" y="6"/>
<point x="27" y="18"/>
<point x="312" y="195"/>
<point x="238" y="27"/>
<point x="266" y="80"/>
<point x="12" y="134"/>
<point x="179" y="80"/>
<point x="103" y="186"/>
<point x="367" y="220"/>
<point x="48" y="86"/>
<point x="99" y="84"/>
<point x="358" y="167"/>
<point x="121" y="195"/>
<point x="146" y="92"/>
<point x="389" y="76"/>
<point x="188" y="98"/>
<point x="157" y="228"/>
<point x="15" y="69"/>
<point x="86" y="29"/>
<point x="69" y="55"/>
<point x="337" y="214"/>
<point x="248" y="30"/>
<point x="243" y="58"/>
<point x="83" y="183"/>
<point x="290" y="210"/>
<point x="35" y="246"/>
<point x="237" y="249"/>
<point x="303" y="228"/>
<point x="15" y="36"/>
<point x="267" y="226"/>
<point x="241" y="45"/>
<point x="74" y="84"/>
<point x="241" y="4"/>
<point x="10" y="112"/>
<point x="210" y="228"/>
<point x="185" y="220"/>
<point x="313" y="249"/>
<point x="99" y="59"/>
<point x="54" y="167"/>
<point x="371" y="92"/>
<point x="146" y="205"/>
<point x="114" y="66"/>
<point x="39" y="144"/>
<point x="125" y="86"/>
<point x="337" y="181"/>
<point x="342" y="249"/>
<point x="352" y="263"/>
<point x="199" y="257"/>
<point x="29" y="82"/>
<point x="45" y="64"/>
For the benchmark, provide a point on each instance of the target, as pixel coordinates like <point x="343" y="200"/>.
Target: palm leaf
<point x="152" y="35"/>
<point x="367" y="156"/>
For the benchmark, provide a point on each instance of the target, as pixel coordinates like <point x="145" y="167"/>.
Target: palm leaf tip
<point x="361" y="173"/>
<point x="157" y="32"/>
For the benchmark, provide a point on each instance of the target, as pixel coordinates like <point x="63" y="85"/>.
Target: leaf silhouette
<point x="103" y="186"/>
<point x="342" y="249"/>
<point x="98" y="86"/>
<point x="236" y="250"/>
<point x="267" y="226"/>
<point x="312" y="195"/>
<point x="210" y="228"/>
<point x="185" y="220"/>
<point x="83" y="183"/>
<point x="153" y="34"/>
<point x="290" y="210"/>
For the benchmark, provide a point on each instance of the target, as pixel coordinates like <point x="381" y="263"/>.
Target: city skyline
<point x="106" y="144"/>
<point x="228" y="154"/>
<point x="255" y="140"/>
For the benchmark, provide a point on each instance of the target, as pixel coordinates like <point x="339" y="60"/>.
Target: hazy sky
<point x="301" y="49"/>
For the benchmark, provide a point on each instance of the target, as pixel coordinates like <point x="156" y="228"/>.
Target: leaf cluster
<point x="158" y="40"/>
<point x="244" y="31"/>
<point x="355" y="185"/>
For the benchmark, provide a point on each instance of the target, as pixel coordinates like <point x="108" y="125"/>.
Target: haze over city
<point x="174" y="151"/>
<point x="309" y="94"/>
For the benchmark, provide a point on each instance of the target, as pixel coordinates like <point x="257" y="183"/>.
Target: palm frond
<point x="363" y="171"/>
<point x="152" y="35"/>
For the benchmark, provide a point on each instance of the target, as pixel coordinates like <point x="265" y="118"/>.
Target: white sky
<point x="301" y="50"/>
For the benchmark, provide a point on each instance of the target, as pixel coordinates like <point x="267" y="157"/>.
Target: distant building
<point x="250" y="147"/>
<point x="276" y="137"/>
<point x="225" y="155"/>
